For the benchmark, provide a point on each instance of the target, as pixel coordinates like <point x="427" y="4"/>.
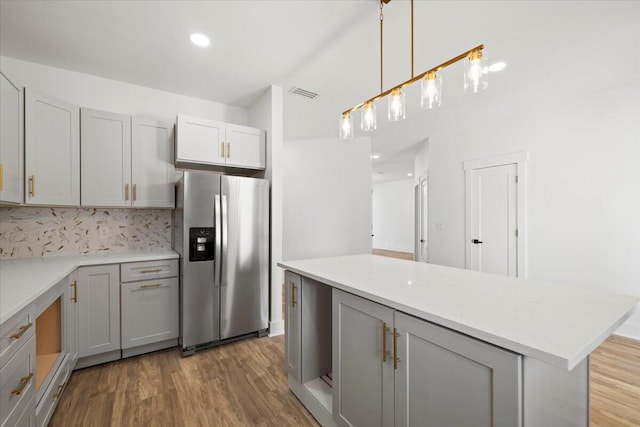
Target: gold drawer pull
<point x="293" y="295"/>
<point x="222" y="150"/>
<point x="228" y="149"/>
<point x="32" y="186"/>
<point x="60" y="390"/>
<point x="135" y="192"/>
<point x="126" y="192"/>
<point x="23" y="383"/>
<point x="152" y="285"/>
<point x="23" y="329"/>
<point x="151" y="270"/>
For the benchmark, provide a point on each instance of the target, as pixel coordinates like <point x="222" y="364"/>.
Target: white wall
<point x="266" y="113"/>
<point x="90" y="91"/>
<point x="327" y="198"/>
<point x="421" y="162"/>
<point x="570" y="96"/>
<point x="393" y="215"/>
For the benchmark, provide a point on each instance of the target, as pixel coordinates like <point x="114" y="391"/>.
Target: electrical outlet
<point x="104" y="232"/>
<point x="439" y="226"/>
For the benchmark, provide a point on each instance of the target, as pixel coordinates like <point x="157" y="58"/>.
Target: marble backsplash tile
<point x="29" y="232"/>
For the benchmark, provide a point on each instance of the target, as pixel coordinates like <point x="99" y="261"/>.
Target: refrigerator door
<point x="244" y="291"/>
<point x="200" y="295"/>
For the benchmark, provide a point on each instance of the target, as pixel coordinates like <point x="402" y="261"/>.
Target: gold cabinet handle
<point x="23" y="329"/>
<point x="222" y="155"/>
<point x="60" y="390"/>
<point x="126" y="192"/>
<point x="228" y="149"/>
<point x="1" y="177"/>
<point x="135" y="192"/>
<point x="150" y="285"/>
<point x="396" y="359"/>
<point x="74" y="285"/>
<point x="385" y="352"/>
<point x="32" y="186"/>
<point x="23" y="383"/>
<point x="151" y="270"/>
<point x="293" y="295"/>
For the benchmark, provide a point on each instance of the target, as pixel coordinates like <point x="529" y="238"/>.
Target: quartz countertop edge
<point x="24" y="280"/>
<point x="535" y="319"/>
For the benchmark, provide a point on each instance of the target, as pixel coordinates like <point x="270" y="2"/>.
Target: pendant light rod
<point x="416" y="78"/>
<point x="381" y="56"/>
<point x="412" y="39"/>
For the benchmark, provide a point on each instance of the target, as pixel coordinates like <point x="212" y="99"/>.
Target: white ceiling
<point x="330" y="47"/>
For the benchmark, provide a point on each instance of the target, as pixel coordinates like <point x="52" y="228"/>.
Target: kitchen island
<point x="379" y="341"/>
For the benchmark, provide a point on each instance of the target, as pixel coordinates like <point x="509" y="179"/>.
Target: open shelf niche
<point x="48" y="340"/>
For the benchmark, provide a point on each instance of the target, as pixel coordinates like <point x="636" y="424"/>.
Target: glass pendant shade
<point x="346" y="126"/>
<point x="431" y="93"/>
<point x="368" y="117"/>
<point x="476" y="72"/>
<point x="397" y="105"/>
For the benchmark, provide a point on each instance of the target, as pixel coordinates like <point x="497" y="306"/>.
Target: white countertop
<point x="557" y="324"/>
<point x="23" y="280"/>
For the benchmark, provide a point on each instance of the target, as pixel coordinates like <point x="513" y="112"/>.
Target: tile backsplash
<point x="28" y="232"/>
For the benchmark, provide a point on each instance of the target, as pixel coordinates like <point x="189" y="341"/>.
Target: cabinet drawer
<point x="24" y="415"/>
<point x="148" y="270"/>
<point x="14" y="333"/>
<point x="49" y="399"/>
<point x="17" y="380"/>
<point x="149" y="312"/>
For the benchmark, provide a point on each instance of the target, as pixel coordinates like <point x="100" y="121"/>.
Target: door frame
<point x="520" y="160"/>
<point x="418" y="216"/>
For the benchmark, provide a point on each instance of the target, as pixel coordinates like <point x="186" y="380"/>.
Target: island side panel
<point x="555" y="396"/>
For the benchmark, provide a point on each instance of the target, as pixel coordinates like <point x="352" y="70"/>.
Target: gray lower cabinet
<point x="391" y="369"/>
<point x="71" y="319"/>
<point x="149" y="295"/>
<point x="292" y="318"/>
<point x="98" y="313"/>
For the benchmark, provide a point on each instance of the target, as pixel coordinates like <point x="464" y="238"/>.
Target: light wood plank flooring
<point x="238" y="384"/>
<point x="393" y="254"/>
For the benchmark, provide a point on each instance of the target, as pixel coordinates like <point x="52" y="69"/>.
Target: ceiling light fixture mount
<point x="476" y="73"/>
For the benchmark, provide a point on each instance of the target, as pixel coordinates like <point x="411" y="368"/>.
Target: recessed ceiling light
<point x="199" y="39"/>
<point x="409" y="174"/>
<point x="498" y="66"/>
<point x="375" y="156"/>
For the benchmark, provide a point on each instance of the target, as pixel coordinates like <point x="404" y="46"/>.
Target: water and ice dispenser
<point x="202" y="243"/>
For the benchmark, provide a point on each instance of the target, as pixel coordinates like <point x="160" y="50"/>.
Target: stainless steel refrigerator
<point x="221" y="231"/>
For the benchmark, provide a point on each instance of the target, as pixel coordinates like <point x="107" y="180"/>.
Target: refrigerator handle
<point x="225" y="223"/>
<point x="217" y="212"/>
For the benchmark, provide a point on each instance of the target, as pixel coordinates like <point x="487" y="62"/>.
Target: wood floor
<point x="238" y="384"/>
<point x="393" y="254"/>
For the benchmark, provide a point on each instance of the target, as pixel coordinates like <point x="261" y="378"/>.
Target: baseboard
<point x="629" y="330"/>
<point x="276" y="328"/>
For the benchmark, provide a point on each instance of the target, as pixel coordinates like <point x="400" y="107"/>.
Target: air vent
<point x="303" y="93"/>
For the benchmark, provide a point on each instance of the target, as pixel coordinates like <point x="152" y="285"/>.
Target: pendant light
<point x="431" y="91"/>
<point x="476" y="79"/>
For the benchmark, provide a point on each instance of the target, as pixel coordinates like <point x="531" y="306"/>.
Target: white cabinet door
<point x="52" y="151"/>
<point x="71" y="333"/>
<point x="106" y="158"/>
<point x="245" y="147"/>
<point x="11" y="142"/>
<point x="447" y="379"/>
<point x="149" y="312"/>
<point x="363" y="376"/>
<point x="200" y="141"/>
<point x="292" y="324"/>
<point x="152" y="170"/>
<point x="98" y="309"/>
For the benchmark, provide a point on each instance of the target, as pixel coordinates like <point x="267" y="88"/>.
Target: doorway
<point x="422" y="219"/>
<point x="495" y="208"/>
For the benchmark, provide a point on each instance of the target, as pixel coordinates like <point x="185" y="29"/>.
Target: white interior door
<point x="493" y="237"/>
<point x="424" y="219"/>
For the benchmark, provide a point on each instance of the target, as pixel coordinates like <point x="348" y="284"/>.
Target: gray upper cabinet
<point x="106" y="158"/>
<point x="11" y="142"/>
<point x="52" y="151"/>
<point x="447" y="379"/>
<point x="126" y="162"/>
<point x="209" y="144"/>
<point x="292" y="323"/>
<point x="152" y="170"/>
<point x="363" y="376"/>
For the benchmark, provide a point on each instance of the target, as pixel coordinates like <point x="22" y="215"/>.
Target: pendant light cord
<point x="381" y="21"/>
